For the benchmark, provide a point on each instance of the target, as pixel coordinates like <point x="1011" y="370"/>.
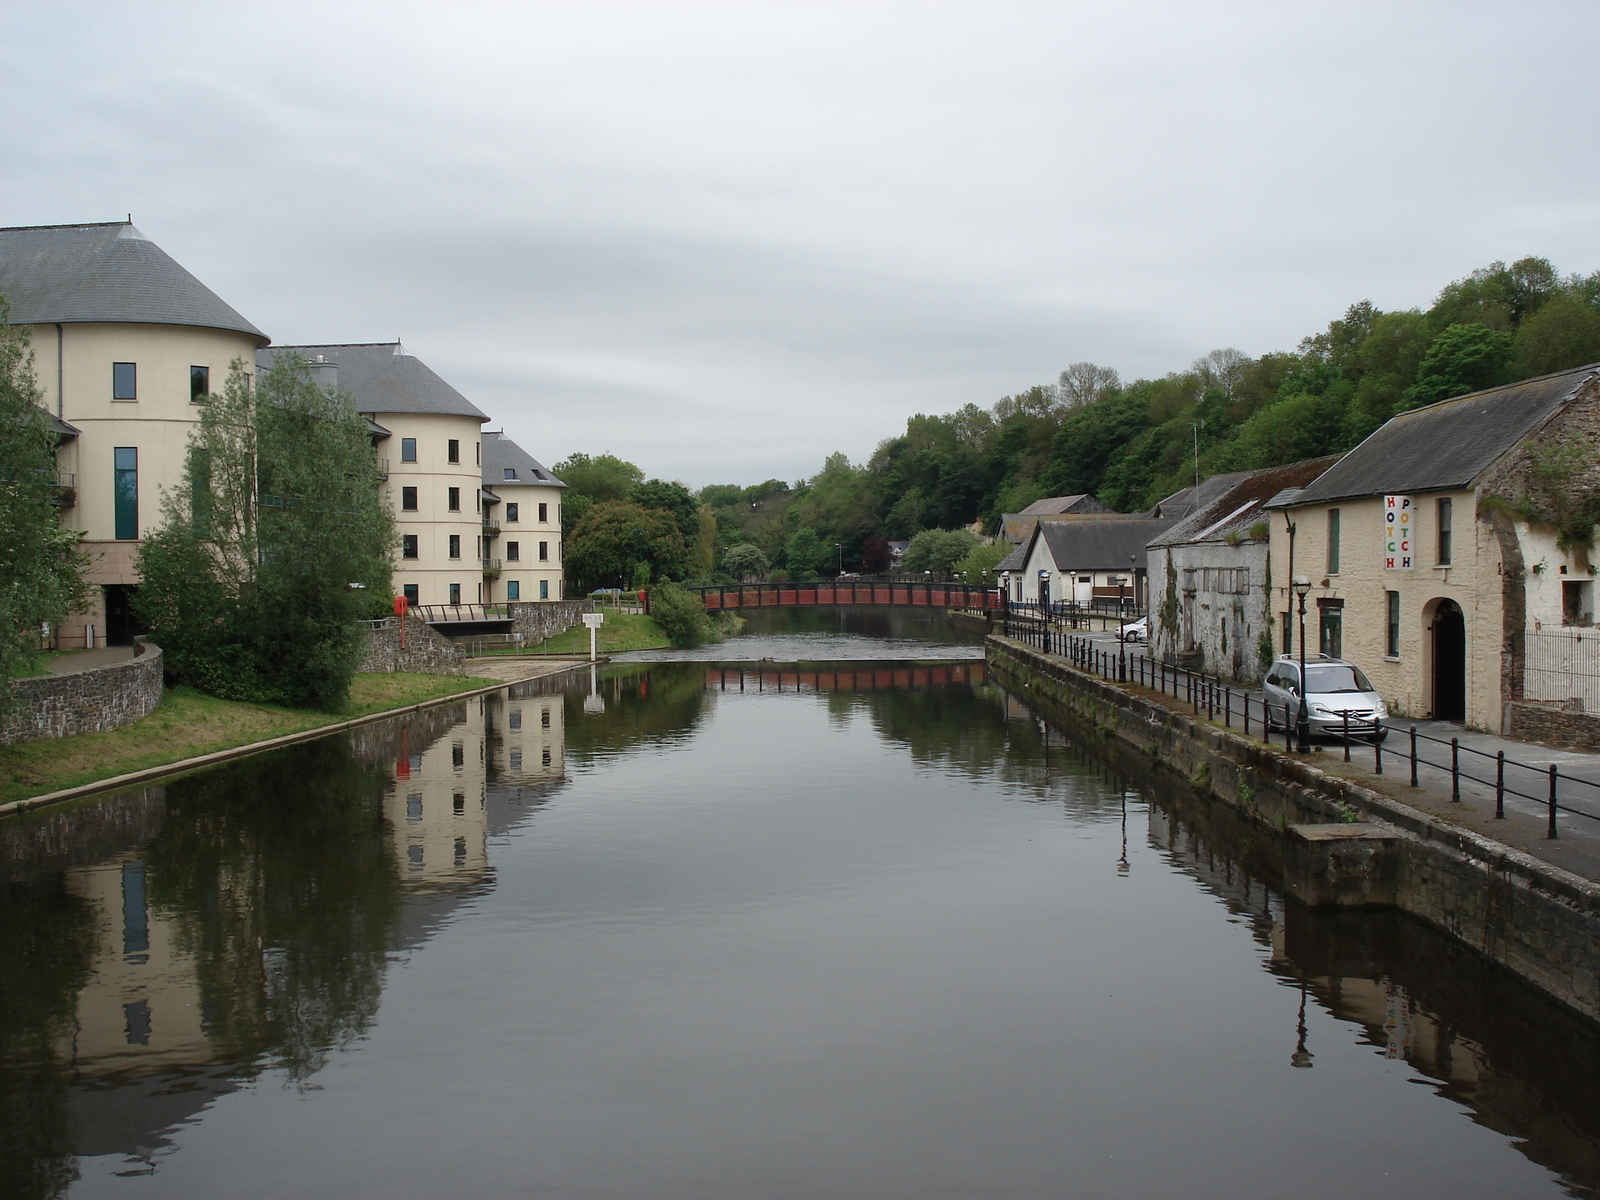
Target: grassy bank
<point x="622" y="631"/>
<point x="189" y="723"/>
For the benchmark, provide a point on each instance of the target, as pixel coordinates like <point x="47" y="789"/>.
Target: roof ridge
<point x="67" y="225"/>
<point x="1500" y="387"/>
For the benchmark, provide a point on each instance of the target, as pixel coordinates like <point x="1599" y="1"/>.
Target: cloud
<point x="724" y="240"/>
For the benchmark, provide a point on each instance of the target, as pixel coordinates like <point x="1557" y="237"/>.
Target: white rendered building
<point x="522" y="524"/>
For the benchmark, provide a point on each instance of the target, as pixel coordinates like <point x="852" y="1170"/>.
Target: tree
<point x="41" y="570"/>
<point x="671" y="498"/>
<point x="1084" y="383"/>
<point x="680" y="614"/>
<point x="977" y="566"/>
<point x="1563" y="333"/>
<point x="590" y="481"/>
<point x="1462" y="359"/>
<point x="938" y="550"/>
<point x="806" y="557"/>
<point x="616" y="537"/>
<point x="745" y="559"/>
<point x="275" y="546"/>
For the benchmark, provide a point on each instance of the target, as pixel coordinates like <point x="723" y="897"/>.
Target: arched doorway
<point x="1449" y="662"/>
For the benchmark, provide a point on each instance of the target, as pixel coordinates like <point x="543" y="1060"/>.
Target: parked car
<point x="1334" y="689"/>
<point x="1137" y="631"/>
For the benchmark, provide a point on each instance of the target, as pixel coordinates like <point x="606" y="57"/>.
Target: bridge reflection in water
<point x="799" y="677"/>
<point x="832" y="592"/>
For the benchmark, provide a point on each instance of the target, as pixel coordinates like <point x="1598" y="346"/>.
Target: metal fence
<point x="1562" y="665"/>
<point x="1216" y="700"/>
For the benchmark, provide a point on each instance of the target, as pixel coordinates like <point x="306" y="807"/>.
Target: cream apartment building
<point x="521" y="524"/>
<point x="126" y="346"/>
<point x="1421" y="570"/>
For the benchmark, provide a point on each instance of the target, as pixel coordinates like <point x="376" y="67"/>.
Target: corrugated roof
<point x="109" y="272"/>
<point x="383" y="378"/>
<point x="1446" y="446"/>
<point x="1242" y="501"/>
<point x="501" y="454"/>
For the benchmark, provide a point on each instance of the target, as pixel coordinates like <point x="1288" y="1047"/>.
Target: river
<point x="851" y="923"/>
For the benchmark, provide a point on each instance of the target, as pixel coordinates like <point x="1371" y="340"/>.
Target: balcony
<point x="491" y="568"/>
<point x="491" y="527"/>
<point x="383" y="469"/>
<point x="66" y="490"/>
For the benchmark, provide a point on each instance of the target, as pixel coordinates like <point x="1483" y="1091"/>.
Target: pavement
<point x="1527" y="781"/>
<point x="87" y="660"/>
<point x="514" y="669"/>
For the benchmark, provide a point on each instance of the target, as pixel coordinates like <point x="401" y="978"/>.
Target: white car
<point x="1138" y="631"/>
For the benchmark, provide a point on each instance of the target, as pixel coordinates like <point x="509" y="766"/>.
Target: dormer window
<point x="511" y="472"/>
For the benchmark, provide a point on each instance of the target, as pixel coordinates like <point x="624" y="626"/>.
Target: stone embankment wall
<point x="536" y="620"/>
<point x="425" y="652"/>
<point x="1333" y="842"/>
<point x="1552" y="725"/>
<point x="92" y="701"/>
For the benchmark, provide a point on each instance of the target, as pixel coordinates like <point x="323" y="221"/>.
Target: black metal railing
<point x="1216" y="700"/>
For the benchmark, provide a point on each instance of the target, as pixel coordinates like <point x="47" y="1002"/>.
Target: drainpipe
<point x="61" y="408"/>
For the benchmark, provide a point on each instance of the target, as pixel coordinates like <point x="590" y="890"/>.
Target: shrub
<point x="680" y="615"/>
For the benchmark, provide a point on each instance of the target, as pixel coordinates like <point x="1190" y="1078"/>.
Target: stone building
<point x="1425" y="567"/>
<point x="1208" y="574"/>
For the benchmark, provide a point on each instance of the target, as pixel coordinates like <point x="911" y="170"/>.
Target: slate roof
<point x="383" y="378"/>
<point x="1240" y="500"/>
<point x="501" y="454"/>
<point x="1091" y="542"/>
<point x="1017" y="527"/>
<point x="107" y="272"/>
<point x="1447" y="445"/>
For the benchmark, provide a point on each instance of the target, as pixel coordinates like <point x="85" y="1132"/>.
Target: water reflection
<point x="165" y="948"/>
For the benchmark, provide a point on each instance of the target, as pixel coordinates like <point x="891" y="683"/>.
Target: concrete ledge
<point x="1535" y="919"/>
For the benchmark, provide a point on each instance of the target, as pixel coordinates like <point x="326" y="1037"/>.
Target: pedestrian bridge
<point x="718" y="597"/>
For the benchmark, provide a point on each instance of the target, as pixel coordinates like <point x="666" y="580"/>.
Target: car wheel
<point x="1383" y="733"/>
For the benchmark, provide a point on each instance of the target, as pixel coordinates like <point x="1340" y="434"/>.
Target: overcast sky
<point x="725" y="240"/>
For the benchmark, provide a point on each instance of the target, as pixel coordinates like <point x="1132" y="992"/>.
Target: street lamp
<point x="839" y="546"/>
<point x="1122" y="630"/>
<point x="1072" y="606"/>
<point x="1302" y="586"/>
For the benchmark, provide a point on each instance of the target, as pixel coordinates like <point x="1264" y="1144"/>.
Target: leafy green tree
<point x="590" y="481"/>
<point x="616" y="537"/>
<point x="41" y="571"/>
<point x="1564" y="333"/>
<point x="671" y="498"/>
<point x="977" y="566"/>
<point x="806" y="557"/>
<point x="276" y="545"/>
<point x="745" y="559"/>
<point x="1462" y="359"/>
<point x="680" y="614"/>
<point x="938" y="550"/>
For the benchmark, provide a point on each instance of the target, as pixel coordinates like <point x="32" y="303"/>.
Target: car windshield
<point x="1336" y="677"/>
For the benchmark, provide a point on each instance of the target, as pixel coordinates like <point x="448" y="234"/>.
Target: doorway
<point x="1044" y="591"/>
<point x="122" y="624"/>
<point x="1449" y="662"/>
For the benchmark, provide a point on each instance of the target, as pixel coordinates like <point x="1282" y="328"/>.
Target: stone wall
<point x="93" y="701"/>
<point x="1538" y="921"/>
<point x="1552" y="725"/>
<point x="425" y="652"/>
<point x="536" y="620"/>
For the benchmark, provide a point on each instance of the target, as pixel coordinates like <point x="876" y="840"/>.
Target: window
<point x="199" y="384"/>
<point x="452" y="451"/>
<point x="1444" y="532"/>
<point x="408" y="449"/>
<point x="125" y="493"/>
<point x="511" y="512"/>
<point x="511" y="473"/>
<point x="1392" y="645"/>
<point x="1333" y="541"/>
<point x="455" y="593"/>
<point x="1331" y="629"/>
<point x="514" y="718"/>
<point x="477" y="453"/>
<point x="408" y="545"/>
<point x="454" y="502"/>
<point x="544" y="718"/>
<point x="513" y="590"/>
<point x="410" y="593"/>
<point x="455" y="550"/>
<point x="408" y="499"/>
<point x="544" y="594"/>
<point x="544" y="514"/>
<point x="513" y="551"/>
<point x="124" y="381"/>
<point x="544" y="551"/>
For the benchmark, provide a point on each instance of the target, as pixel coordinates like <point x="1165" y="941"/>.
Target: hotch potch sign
<point x="1397" y="514"/>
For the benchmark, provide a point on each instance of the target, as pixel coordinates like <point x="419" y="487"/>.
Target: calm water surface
<point x="735" y="931"/>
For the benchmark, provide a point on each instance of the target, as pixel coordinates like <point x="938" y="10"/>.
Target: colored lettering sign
<point x="1397" y="516"/>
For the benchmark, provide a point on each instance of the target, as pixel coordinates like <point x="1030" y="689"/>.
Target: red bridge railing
<point x="784" y="595"/>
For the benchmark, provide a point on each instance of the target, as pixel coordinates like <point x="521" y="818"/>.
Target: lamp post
<point x="1302" y="586"/>
<point x="839" y="546"/>
<point x="1072" y="604"/>
<point x="1122" y="631"/>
